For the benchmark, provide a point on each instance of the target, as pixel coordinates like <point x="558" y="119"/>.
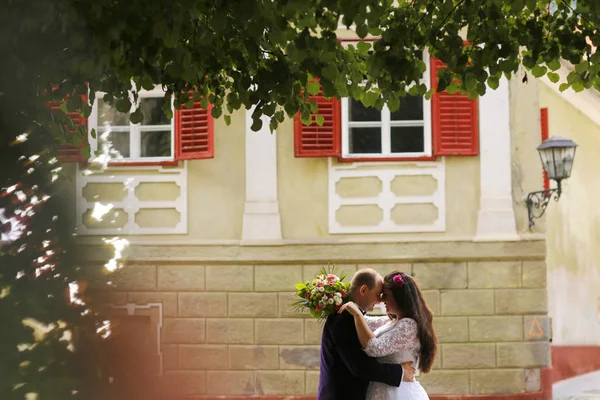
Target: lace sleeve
<point x="402" y="336"/>
<point x="375" y="322"/>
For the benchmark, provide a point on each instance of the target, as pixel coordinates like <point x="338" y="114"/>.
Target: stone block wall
<point x="229" y="330"/>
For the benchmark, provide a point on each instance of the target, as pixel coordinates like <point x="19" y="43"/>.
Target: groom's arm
<point x="348" y="346"/>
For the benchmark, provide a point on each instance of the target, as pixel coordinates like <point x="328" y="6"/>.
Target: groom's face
<point x="373" y="296"/>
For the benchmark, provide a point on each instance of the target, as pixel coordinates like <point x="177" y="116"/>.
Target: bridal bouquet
<point x="323" y="295"/>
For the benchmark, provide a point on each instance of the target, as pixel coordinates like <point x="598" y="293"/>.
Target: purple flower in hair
<point x="398" y="281"/>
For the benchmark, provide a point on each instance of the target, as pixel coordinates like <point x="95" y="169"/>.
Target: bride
<point x="406" y="334"/>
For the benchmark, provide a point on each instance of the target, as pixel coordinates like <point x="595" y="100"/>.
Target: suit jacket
<point x="346" y="370"/>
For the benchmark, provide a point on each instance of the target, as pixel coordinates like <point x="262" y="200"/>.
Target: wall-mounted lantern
<point x="557" y="154"/>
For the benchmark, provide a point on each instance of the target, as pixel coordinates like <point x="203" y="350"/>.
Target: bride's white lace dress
<point x="395" y="342"/>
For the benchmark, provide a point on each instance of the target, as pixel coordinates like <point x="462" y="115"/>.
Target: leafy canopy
<point x="243" y="53"/>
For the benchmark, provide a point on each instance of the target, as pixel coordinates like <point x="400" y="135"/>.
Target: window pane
<point x="411" y="109"/>
<point x="365" y="140"/>
<point x="156" y="144"/>
<point x="109" y="116"/>
<point x="407" y="139"/>
<point x="358" y="112"/>
<point x="118" y="144"/>
<point x="152" y="111"/>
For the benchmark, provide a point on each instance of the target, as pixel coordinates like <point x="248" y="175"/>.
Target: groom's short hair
<point x="367" y="276"/>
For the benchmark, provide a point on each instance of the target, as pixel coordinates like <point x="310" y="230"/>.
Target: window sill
<point x="163" y="163"/>
<point x="346" y="159"/>
<point x="142" y="163"/>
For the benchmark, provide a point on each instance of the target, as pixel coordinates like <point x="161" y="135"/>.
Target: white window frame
<point x="386" y="126"/>
<point x="135" y="130"/>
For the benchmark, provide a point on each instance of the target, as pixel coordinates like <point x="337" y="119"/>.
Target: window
<point x="152" y="140"/>
<point x="368" y="132"/>
<point x="371" y="133"/>
<point x="447" y="125"/>
<point x="155" y="140"/>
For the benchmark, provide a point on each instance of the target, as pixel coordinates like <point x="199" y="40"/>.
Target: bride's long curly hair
<point x="411" y="303"/>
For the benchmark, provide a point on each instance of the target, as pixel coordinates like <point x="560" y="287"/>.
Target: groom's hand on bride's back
<point x="409" y="372"/>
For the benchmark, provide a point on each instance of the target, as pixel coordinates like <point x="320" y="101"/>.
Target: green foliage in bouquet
<point x="324" y="295"/>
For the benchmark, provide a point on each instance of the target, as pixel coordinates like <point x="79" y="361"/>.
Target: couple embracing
<point x="374" y="358"/>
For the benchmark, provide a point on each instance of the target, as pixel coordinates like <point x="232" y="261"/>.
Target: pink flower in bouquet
<point x="307" y="295"/>
<point x="320" y="283"/>
<point x="343" y="293"/>
<point x="331" y="277"/>
<point x="319" y="308"/>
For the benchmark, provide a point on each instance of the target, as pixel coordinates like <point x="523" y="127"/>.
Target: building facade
<point x="223" y="221"/>
<point x="572" y="245"/>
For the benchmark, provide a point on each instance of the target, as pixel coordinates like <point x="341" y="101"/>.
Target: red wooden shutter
<point x="319" y="141"/>
<point x="545" y="134"/>
<point x="194" y="133"/>
<point x="454" y="119"/>
<point x="67" y="153"/>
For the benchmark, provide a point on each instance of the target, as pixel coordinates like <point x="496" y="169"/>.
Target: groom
<point x="346" y="370"/>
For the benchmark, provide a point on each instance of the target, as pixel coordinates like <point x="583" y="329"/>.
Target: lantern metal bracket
<point x="537" y="202"/>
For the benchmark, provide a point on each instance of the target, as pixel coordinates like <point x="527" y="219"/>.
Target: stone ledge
<point x="534" y="249"/>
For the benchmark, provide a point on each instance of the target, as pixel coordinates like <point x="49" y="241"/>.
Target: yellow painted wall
<point x="525" y="131"/>
<point x="573" y="230"/>
<point x="216" y="191"/>
<point x="217" y="187"/>
<point x="303" y="195"/>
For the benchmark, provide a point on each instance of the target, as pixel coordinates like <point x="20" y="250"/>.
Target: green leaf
<point x="136" y="116"/>
<point x="300" y="286"/>
<point x="204" y="102"/>
<point x="554" y="65"/>
<point x="330" y="72"/>
<point x="539" y="70"/>
<point x="553" y="77"/>
<point x="86" y="151"/>
<point x="453" y="87"/>
<point x="363" y="47"/>
<point x="393" y="104"/>
<point x="147" y="83"/>
<point x="578" y="86"/>
<point x="280" y="116"/>
<point x="123" y="105"/>
<point x="362" y="31"/>
<point x="320" y="120"/>
<point x="413" y="90"/>
<point x="429" y="94"/>
<point x="493" y="82"/>
<point x="563" y="87"/>
<point x="108" y="98"/>
<point x="227" y="119"/>
<point x="216" y="112"/>
<point x="256" y="124"/>
<point x="313" y="88"/>
<point x="369" y="99"/>
<point x="93" y="133"/>
<point x="581" y="67"/>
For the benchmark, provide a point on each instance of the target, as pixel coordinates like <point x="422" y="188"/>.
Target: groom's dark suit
<point x="346" y="370"/>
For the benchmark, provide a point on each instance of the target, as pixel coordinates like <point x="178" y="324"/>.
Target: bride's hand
<point x="409" y="372"/>
<point x="351" y="307"/>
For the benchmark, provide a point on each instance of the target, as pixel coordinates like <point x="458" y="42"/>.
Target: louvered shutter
<point x="545" y="135"/>
<point x="319" y="141"/>
<point x="67" y="153"/>
<point x="194" y="133"/>
<point x="454" y="119"/>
